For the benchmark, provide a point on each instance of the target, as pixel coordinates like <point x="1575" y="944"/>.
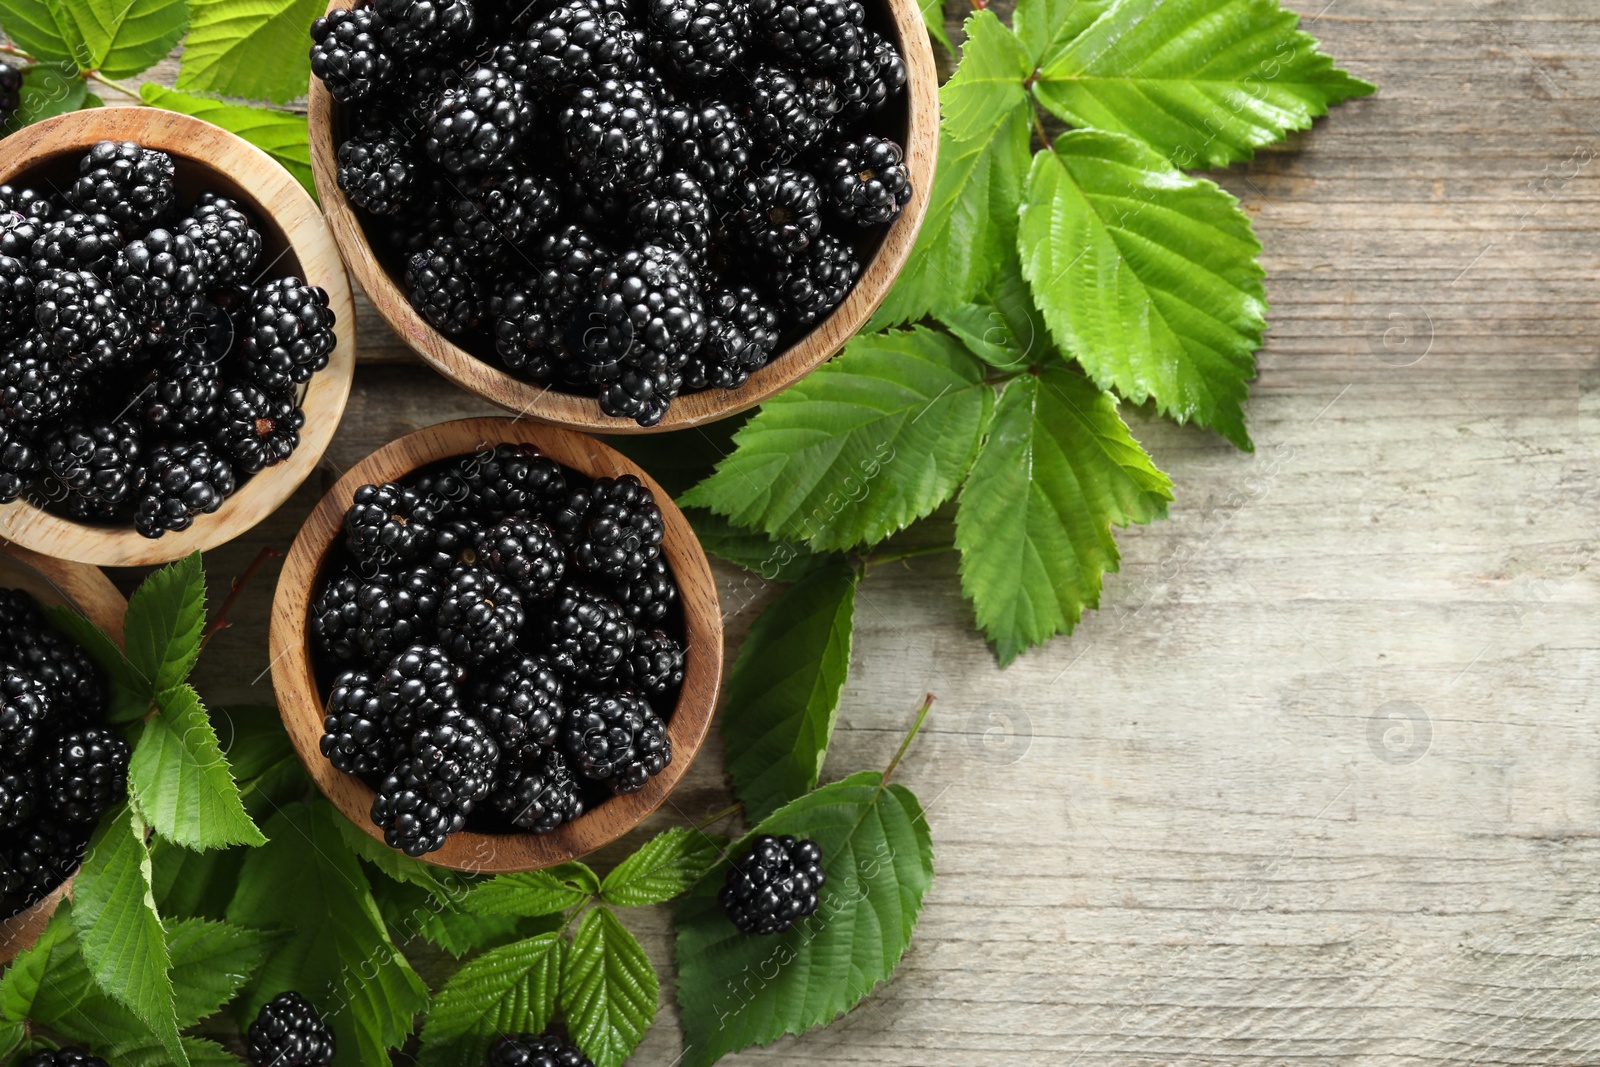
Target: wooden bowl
<point x="296" y="242"/>
<point x="300" y="700"/>
<point x="918" y="131"/>
<point x="54" y="581"/>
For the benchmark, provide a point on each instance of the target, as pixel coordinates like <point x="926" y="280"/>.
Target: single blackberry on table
<point x="255" y="428"/>
<point x="778" y="213"/>
<point x="579" y="41"/>
<point x="288" y="1032"/>
<point x="39" y="857"/>
<point x="395" y="613"/>
<point x="698" y="39"/>
<point x="75" y="241"/>
<point x="775" y="885"/>
<point x="617" y="739"/>
<point x="130" y="184"/>
<point x="99" y="461"/>
<point x="410" y="27"/>
<point x="514" y="479"/>
<point x="64" y="1057"/>
<point x="180" y="397"/>
<point x="478" y="122"/>
<point x="224" y="233"/>
<point x="674" y="212"/>
<point x="24" y="712"/>
<point x="525" y="553"/>
<point x="646" y="312"/>
<point x="647" y="595"/>
<point x="356" y="737"/>
<point x="869" y="82"/>
<point x="816" y="34"/>
<point x="622" y="529"/>
<point x="346" y="54"/>
<point x="180" y="482"/>
<point x="381" y="524"/>
<point x="815" y="282"/>
<point x="85" y="774"/>
<point x="377" y="171"/>
<point x="641" y="395"/>
<point x="158" y="279"/>
<point x="613" y="135"/>
<point x="742" y="333"/>
<point x="538" y="795"/>
<point x="531" y="314"/>
<point x="16" y="295"/>
<point x="19" y="795"/>
<point x="334" y="616"/>
<point x="36" y="385"/>
<point x="535" y="1050"/>
<point x="20" y="462"/>
<point x="10" y="92"/>
<point x="418" y="686"/>
<point x="866" y="180"/>
<point x="520" y="702"/>
<point x="444" y="284"/>
<point x="480" y="615"/>
<point x="654" y="665"/>
<point x="81" y="321"/>
<point x="457" y="757"/>
<point x="589" y="634"/>
<point x="287" y="333"/>
<point x="789" y="113"/>
<point x="504" y="206"/>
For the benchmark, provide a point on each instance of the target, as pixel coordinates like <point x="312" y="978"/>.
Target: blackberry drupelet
<point x="787" y="113"/>
<point x="445" y="286"/>
<point x="10" y="92"/>
<point x="181" y="481"/>
<point x="741" y="335"/>
<point x="453" y="542"/>
<point x="589" y="634"/>
<point x="514" y="479"/>
<point x="346" y="55"/>
<point x="538" y="795"/>
<point x="377" y="171"/>
<point x="180" y="397"/>
<point x="396" y="613"/>
<point x="232" y="246"/>
<point x="418" y="686"/>
<point x="75" y="241"/>
<point x="457" y="757"/>
<point x="158" y="279"/>
<point x="812" y="284"/>
<point x="381" y="524"/>
<point x="866" y="180"/>
<point x="520" y="702"/>
<point x="531" y="313"/>
<point x="622" y="529"/>
<point x="130" y="184"/>
<point x="410" y="27"/>
<point x="525" y="553"/>
<point x="85" y="774"/>
<point x="581" y="41"/>
<point x="700" y="40"/>
<point x="288" y="1032"/>
<point x="16" y="295"/>
<point x="535" y="1050"/>
<point x="356" y="737"/>
<point x="19" y="463"/>
<point x="866" y="84"/>
<point x="36" y="386"/>
<point x="613" y="135"/>
<point x="478" y="122"/>
<point x="24" y="711"/>
<point x="775" y="884"/>
<point x="480" y="615"/>
<point x="19" y="795"/>
<point x="286" y="333"/>
<point x="646" y="312"/>
<point x="654" y="665"/>
<point x="64" y="1057"/>
<point x="778" y="213"/>
<point x="815" y="34"/>
<point x="617" y="739"/>
<point x="98" y="461"/>
<point x="334" y="616"/>
<point x="81" y="321"/>
<point x="674" y="212"/>
<point x="648" y="595"/>
<point x="256" y="429"/>
<point x="18" y="203"/>
<point x="505" y="206"/>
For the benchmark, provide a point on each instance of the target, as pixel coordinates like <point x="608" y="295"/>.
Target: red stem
<point x="236" y="590"/>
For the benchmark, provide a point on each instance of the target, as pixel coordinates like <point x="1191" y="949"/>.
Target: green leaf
<point x="48" y="89"/>
<point x="395" y="865"/>
<point x="130" y="690"/>
<point x="880" y="864"/>
<point x="33" y="27"/>
<point x="783" y="691"/>
<point x="663" y="867"/>
<point x="166" y="617"/>
<point x="773" y="561"/>
<point x="1147" y="277"/>
<point x="679" y="459"/>
<point x="608" y="989"/>
<point x="1034" y="523"/>
<point x="202" y="1053"/>
<point x="1046" y="26"/>
<point x="1001" y="325"/>
<point x="198" y="884"/>
<point x="336" y="949"/>
<point x="508" y="990"/>
<point x="20" y="983"/>
<point x="122" y="940"/>
<point x="254" y="49"/>
<point x="933" y="18"/>
<point x="545" y="892"/>
<point x="988" y="85"/>
<point x="412" y="912"/>
<point x="280" y="134"/>
<point x="211" y="961"/>
<point x="868" y="443"/>
<point x="12" y="1035"/>
<point x="71" y="1004"/>
<point x="1206" y="82"/>
<point x="181" y="780"/>
<point x="122" y="38"/>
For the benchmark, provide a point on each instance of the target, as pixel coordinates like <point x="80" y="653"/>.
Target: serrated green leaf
<point x="211" y="961"/>
<point x="47" y="89"/>
<point x="119" y="932"/>
<point x="69" y="1003"/>
<point x="166" y="617"/>
<point x="545" y="892"/>
<point x="1001" y="325"/>
<point x="33" y="27"/>
<point x="868" y="443"/>
<point x="879" y="862"/>
<point x="508" y="990"/>
<point x="1147" y="277"/>
<point x="202" y="1053"/>
<point x="20" y="982"/>
<point x="608" y="989"/>
<point x="987" y="87"/>
<point x="12" y="1035"/>
<point x="1206" y="82"/>
<point x="122" y="38"/>
<point x="1034" y="523"/>
<point x="130" y="691"/>
<point x="663" y="867"/>
<point x="396" y="865"/>
<point x="336" y="949"/>
<point x="255" y="49"/>
<point x="783" y="691"/>
<point x="933" y="18"/>
<point x="181" y="780"/>
<point x="772" y="561"/>
<point x="1046" y="26"/>
<point x="280" y="134"/>
<point x="197" y="884"/>
<point x="412" y="912"/>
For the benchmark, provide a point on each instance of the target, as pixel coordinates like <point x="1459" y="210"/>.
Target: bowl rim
<point x="541" y="402"/>
<point x="294" y="213"/>
<point x="294" y="676"/>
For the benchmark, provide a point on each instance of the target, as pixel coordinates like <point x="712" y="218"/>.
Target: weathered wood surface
<point x="1192" y="833"/>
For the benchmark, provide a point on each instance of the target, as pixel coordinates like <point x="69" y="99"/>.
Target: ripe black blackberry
<point x="654" y="665"/>
<point x="74" y="241"/>
<point x="457" y="757"/>
<point x="24" y="712"/>
<point x="286" y="333"/>
<point x="788" y="113"/>
<point x="395" y="613"/>
<point x="815" y="282"/>
<point x="356" y="737"/>
<point x="411" y="820"/>
<point x="377" y="171"/>
<point x="514" y="480"/>
<point x="410" y="27"/>
<point x="480" y="615"/>
<point x="621" y="531"/>
<point x="520" y="702"/>
<point x="869" y="82"/>
<point x="10" y="92"/>
<point x="85" y="774"/>
<point x="20" y="462"/>
<point x="64" y="1057"/>
<point x="73" y="681"/>
<point x="81" y="321"/>
<point x="538" y="795"/>
<point x="589" y="634"/>
<point x="646" y="312"/>
<point x="223" y="232"/>
<point x="334" y="616"/>
<point x="255" y="428"/>
<point x="38" y="858"/>
<point x="16" y="296"/>
<point x="452" y="542"/>
<point x="127" y="182"/>
<point x="775" y="884"/>
<point x="180" y="482"/>
<point x="674" y="212"/>
<point x="641" y="395"/>
<point x="647" y="596"/>
<point x="381" y="524"/>
<point x="535" y="1050"/>
<point x="866" y="180"/>
<point x="19" y="795"/>
<point x="18" y="202"/>
<point x="419" y="685"/>
<point x="617" y="739"/>
<point x="531" y="314"/>
<point x="742" y="333"/>
<point x="581" y="41"/>
<point x="158" y="279"/>
<point x="478" y="122"/>
<point x="288" y="1032"/>
<point x="778" y="213"/>
<point x="815" y="34"/>
<point x="445" y="285"/>
<point x="99" y="461"/>
<point x="346" y="55"/>
<point x="699" y="39"/>
<point x="180" y="397"/>
<point x="505" y="206"/>
<point x="36" y="386"/>
<point x="613" y="135"/>
<point x="525" y="553"/>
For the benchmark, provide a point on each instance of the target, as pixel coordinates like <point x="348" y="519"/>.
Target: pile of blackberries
<point x="629" y="199"/>
<point x="500" y="639"/>
<point x="146" y="368"/>
<point x="61" y="768"/>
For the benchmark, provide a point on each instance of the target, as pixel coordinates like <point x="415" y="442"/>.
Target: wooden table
<point x="1320" y="784"/>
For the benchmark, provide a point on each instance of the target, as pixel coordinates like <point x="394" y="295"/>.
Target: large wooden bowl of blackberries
<point x="496" y="645"/>
<point x="177" y="336"/>
<point x="622" y="215"/>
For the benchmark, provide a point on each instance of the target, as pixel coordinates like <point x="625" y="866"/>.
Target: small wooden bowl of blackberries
<point x="624" y="214"/>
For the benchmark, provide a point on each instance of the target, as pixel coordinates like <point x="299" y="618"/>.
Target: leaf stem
<point x="236" y="590"/>
<point x="905" y="554"/>
<point x="121" y="87"/>
<point x="1038" y="129"/>
<point x="731" y="809"/>
<point x="13" y="50"/>
<point x="916" y="728"/>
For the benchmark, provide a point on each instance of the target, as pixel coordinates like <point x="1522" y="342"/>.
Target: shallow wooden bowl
<point x="300" y="700"/>
<point x="54" y="581"/>
<point x="918" y="129"/>
<point x="297" y="242"/>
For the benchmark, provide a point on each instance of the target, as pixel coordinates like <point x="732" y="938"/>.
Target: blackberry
<point x="581" y="41"/>
<point x="535" y="1050"/>
<point x="19" y="795"/>
<point x="130" y="184"/>
<point x="378" y="172"/>
<point x="654" y="665"/>
<point x="613" y="135"/>
<point x="98" y="461"/>
<point x="10" y="92"/>
<point x="457" y="757"/>
<point x="158" y="279"/>
<point x="525" y="553"/>
<point x="514" y="480"/>
<point x="480" y="615"/>
<point x="40" y="857"/>
<point x="647" y="595"/>
<point x="36" y="386"/>
<point x="866" y="180"/>
<point x="675" y="213"/>
<point x="452" y="543"/>
<point x="19" y="462"/>
<point x="180" y="482"/>
<point x="356" y="737"/>
<point x="816" y="34"/>
<point x="538" y="796"/>
<point x="64" y="1057"/>
<point x="180" y="397"/>
<point x="287" y="333"/>
<point x="380" y="525"/>
<point x="85" y="774"/>
<point x="617" y="739"/>
<point x="334" y="616"/>
<point x="778" y="213"/>
<point x="589" y="634"/>
<point x="646" y="312"/>
<point x="622" y="529"/>
<point x="16" y="295"/>
<point x="742" y="333"/>
<point x="392" y="614"/>
<point x="223" y="232"/>
<point x="788" y="113"/>
<point x="641" y="395"/>
<point x="520" y="703"/>
<point x="418" y="686"/>
<point x="346" y="55"/>
<point x="531" y="313"/>
<point x="24" y="711"/>
<point x="869" y="82"/>
<point x="575" y="254"/>
<point x="24" y="203"/>
<point x="81" y="321"/>
<point x="74" y="683"/>
<point x="699" y="39"/>
<point x="19" y="231"/>
<point x="444" y="285"/>
<point x="76" y="241"/>
<point x="256" y="429"/>
<point x="774" y="885"/>
<point x="411" y="27"/>
<point x="288" y="1032"/>
<point x="477" y="123"/>
<point x="812" y="284"/>
<point x="410" y="819"/>
<point x="504" y="206"/>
